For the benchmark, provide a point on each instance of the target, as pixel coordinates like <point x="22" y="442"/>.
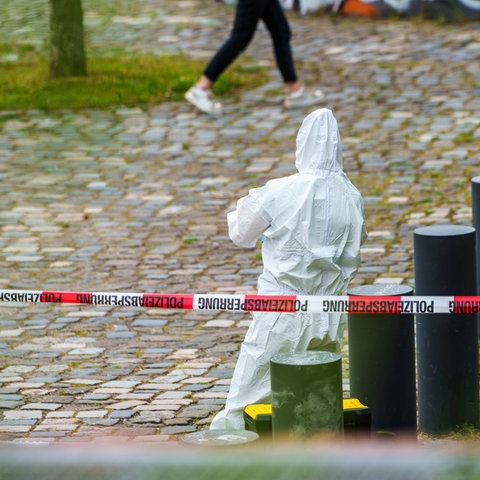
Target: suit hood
<point x="319" y="147"/>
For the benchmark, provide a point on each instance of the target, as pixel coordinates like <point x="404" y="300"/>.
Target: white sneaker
<point x="304" y="98"/>
<point x="203" y="100"/>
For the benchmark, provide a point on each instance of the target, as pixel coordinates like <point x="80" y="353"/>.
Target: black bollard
<point x="447" y="344"/>
<point x="381" y="350"/>
<point x="476" y="224"/>
<point x="306" y="394"/>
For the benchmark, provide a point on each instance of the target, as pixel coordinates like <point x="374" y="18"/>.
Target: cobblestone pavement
<point x="127" y="200"/>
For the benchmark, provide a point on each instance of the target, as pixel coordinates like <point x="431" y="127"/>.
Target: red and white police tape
<point x="256" y="303"/>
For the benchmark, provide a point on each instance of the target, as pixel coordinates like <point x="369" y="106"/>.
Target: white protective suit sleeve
<point x="247" y="223"/>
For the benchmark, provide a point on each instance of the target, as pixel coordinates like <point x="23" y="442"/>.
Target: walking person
<point x="247" y="15"/>
<point x="312" y="227"/>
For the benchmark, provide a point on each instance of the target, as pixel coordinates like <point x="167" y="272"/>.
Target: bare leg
<point x="204" y="83"/>
<point x="293" y="86"/>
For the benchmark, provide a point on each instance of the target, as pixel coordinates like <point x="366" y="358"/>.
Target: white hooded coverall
<point x="313" y="226"/>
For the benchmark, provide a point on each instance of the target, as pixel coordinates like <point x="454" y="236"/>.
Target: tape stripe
<point x="383" y="305"/>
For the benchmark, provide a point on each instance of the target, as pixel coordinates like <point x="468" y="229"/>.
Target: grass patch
<point x="464" y="137"/>
<point x="189" y="240"/>
<point x="131" y="81"/>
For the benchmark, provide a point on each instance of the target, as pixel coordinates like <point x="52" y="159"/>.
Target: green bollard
<point x="306" y="394"/>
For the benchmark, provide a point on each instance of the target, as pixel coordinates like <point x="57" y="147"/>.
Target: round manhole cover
<point x="220" y="437"/>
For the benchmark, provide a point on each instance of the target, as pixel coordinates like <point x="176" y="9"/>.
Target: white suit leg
<point x="251" y="377"/>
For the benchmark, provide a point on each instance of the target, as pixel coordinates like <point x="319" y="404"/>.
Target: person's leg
<point x="247" y="16"/>
<point x="250" y="382"/>
<point x="277" y="24"/>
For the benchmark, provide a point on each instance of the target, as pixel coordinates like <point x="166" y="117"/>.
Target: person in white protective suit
<point x="312" y="224"/>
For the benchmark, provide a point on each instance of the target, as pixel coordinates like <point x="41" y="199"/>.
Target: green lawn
<point x="123" y="80"/>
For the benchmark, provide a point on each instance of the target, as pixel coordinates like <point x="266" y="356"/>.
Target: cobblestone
<point x="135" y="200"/>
